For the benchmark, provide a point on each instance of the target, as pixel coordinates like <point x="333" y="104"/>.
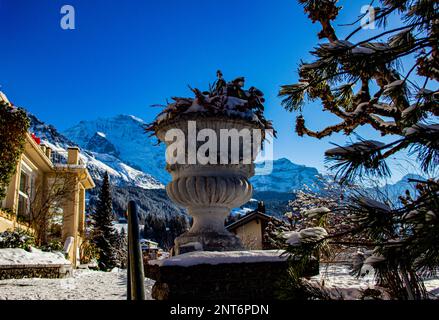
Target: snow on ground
<point x="15" y="256"/>
<point x="337" y="279"/>
<point x="84" y="285"/>
<point x="97" y="285"/>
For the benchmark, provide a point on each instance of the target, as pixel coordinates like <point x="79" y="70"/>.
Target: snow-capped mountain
<point x="136" y="165"/>
<point x="129" y="183"/>
<point x="286" y="177"/>
<point x="99" y="143"/>
<point x="392" y="192"/>
<point x="124" y="137"/>
<point x="97" y="163"/>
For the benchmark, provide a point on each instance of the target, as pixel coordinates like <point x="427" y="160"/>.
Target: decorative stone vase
<point x="209" y="191"/>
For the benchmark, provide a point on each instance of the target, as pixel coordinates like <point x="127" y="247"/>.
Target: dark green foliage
<point x="14" y="124"/>
<point x="164" y="230"/>
<point x="405" y="239"/>
<point x="150" y="202"/>
<point x="358" y="159"/>
<point x="400" y="244"/>
<point x="105" y="236"/>
<point x="424" y="143"/>
<point x="122" y="248"/>
<point x="421" y="222"/>
<point x="387" y="97"/>
<point x="53" y="245"/>
<point x="294" y="287"/>
<point x="16" y="239"/>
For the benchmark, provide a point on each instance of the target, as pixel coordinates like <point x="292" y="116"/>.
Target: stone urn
<point x="209" y="191"/>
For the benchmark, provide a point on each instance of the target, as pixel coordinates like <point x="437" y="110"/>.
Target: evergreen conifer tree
<point x="104" y="233"/>
<point x="122" y="245"/>
<point x="359" y="79"/>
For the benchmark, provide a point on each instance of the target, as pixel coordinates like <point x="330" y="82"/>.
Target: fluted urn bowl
<point x="209" y="191"/>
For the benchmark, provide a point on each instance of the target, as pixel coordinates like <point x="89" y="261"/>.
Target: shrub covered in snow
<point x="53" y="246"/>
<point x="309" y="235"/>
<point x="16" y="239"/>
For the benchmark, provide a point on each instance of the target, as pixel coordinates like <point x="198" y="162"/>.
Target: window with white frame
<point x="25" y="191"/>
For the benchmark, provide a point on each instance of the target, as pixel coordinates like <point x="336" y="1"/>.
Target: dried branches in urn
<point x="223" y="99"/>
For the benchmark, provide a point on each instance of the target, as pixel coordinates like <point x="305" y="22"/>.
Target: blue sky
<point x="124" y="56"/>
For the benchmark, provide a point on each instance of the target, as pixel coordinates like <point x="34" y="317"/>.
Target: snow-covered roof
<point x="249" y="217"/>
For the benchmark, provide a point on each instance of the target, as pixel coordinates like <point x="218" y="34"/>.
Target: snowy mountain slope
<point x="128" y="183"/>
<point x="48" y="132"/>
<point x="392" y="192"/>
<point x="286" y="177"/>
<point x="125" y="174"/>
<point x="100" y="144"/>
<point x="120" y="173"/>
<point x="125" y="137"/>
<point x="120" y="147"/>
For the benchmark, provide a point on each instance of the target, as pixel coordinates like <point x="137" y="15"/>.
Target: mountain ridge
<point x="128" y="182"/>
<point x="124" y="136"/>
<point x="120" y="146"/>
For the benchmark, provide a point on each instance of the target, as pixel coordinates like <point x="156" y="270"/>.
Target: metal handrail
<point x="58" y="157"/>
<point x="61" y="157"/>
<point x="135" y="276"/>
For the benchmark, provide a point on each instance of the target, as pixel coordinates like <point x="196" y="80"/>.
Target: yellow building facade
<point x="53" y="180"/>
<point x="250" y="229"/>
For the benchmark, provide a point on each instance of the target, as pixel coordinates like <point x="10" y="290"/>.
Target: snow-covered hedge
<point x="16" y="239"/>
<point x="33" y="256"/>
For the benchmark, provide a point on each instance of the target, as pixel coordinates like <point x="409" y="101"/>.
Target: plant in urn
<point x="212" y="142"/>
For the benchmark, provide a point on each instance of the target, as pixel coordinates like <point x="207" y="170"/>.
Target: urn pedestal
<point x="209" y="191"/>
<point x="239" y="275"/>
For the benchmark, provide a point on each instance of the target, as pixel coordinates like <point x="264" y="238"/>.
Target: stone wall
<point x="35" y="271"/>
<point x="231" y="281"/>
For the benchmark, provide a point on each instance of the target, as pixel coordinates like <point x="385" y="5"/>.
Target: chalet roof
<point x="248" y="218"/>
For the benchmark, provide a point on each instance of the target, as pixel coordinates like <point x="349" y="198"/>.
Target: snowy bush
<point x="309" y="235"/>
<point x="52" y="246"/>
<point x="316" y="212"/>
<point x="16" y="239"/>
